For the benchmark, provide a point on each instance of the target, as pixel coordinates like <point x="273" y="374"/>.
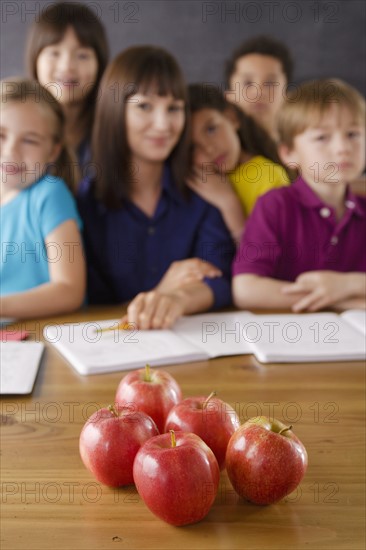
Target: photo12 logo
<point x="274" y="332"/>
<point x="91" y="332"/>
<point x="270" y="11"/>
<point x="27" y="11"/>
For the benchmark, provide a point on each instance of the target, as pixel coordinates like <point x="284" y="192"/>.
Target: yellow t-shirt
<point x="254" y="178"/>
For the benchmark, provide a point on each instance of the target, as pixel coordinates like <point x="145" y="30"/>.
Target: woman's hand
<point x="154" y="310"/>
<point x="184" y="272"/>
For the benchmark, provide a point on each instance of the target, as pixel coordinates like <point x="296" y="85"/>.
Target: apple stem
<point x="147" y="376"/>
<point x="212" y="394"/>
<point x="285" y="429"/>
<point x="113" y="410"/>
<point x="172" y="438"/>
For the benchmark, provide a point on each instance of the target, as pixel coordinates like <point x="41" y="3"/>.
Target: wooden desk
<point x="49" y="500"/>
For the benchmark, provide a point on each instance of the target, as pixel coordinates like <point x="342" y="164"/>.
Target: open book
<point x="271" y="338"/>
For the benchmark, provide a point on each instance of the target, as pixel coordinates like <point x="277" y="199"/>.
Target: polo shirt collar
<point x="308" y="198"/>
<point x="355" y="202"/>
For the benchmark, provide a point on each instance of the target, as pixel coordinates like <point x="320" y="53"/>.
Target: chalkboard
<point x="327" y="37"/>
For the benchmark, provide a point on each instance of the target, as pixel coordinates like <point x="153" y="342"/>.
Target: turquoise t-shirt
<point x="25" y="222"/>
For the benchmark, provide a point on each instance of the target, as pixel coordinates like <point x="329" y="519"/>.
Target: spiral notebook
<point x="271" y="338"/>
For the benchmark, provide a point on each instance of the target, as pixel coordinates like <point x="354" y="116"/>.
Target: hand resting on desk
<point x="180" y="291"/>
<point x="327" y="289"/>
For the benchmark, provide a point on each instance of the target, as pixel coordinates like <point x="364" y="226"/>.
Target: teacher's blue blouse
<point x="129" y="252"/>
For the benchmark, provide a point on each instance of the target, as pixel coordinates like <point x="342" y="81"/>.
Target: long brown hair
<point x="50" y="28"/>
<point x="17" y="90"/>
<point x="138" y="69"/>
<point x="253" y="139"/>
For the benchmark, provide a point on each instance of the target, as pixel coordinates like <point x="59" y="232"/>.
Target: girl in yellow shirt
<point x="234" y="161"/>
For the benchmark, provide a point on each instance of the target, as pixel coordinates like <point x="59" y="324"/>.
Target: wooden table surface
<point x="50" y="501"/>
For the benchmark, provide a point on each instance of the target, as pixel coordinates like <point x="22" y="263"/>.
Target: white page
<point x="19" y="366"/>
<point x="91" y="352"/>
<point x="356" y="318"/>
<point x="218" y="334"/>
<point x="306" y="337"/>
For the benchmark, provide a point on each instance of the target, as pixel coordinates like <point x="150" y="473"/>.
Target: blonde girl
<point x="42" y="267"/>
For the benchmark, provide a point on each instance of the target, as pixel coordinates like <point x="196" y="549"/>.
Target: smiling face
<point x="27" y="145"/>
<point x="215" y="140"/>
<point x="260" y="82"/>
<point x="331" y="150"/>
<point x="154" y="125"/>
<point x="70" y="66"/>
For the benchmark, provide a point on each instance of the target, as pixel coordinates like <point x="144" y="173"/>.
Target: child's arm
<point x="327" y="289"/>
<point x="254" y="285"/>
<point x="217" y="190"/>
<point x="254" y="291"/>
<point x="352" y="303"/>
<point x="66" y="289"/>
<point x="311" y="291"/>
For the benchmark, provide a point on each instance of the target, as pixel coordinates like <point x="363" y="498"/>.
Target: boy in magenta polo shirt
<point x="304" y="245"/>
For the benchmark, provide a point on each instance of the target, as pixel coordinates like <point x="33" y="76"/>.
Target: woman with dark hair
<point x="149" y="238"/>
<point x="67" y="52"/>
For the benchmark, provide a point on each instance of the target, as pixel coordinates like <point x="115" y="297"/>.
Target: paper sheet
<point x="19" y="366"/>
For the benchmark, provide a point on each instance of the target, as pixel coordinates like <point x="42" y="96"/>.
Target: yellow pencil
<point x="120" y="326"/>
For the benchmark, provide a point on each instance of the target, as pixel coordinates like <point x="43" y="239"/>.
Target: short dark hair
<point x="263" y="45"/>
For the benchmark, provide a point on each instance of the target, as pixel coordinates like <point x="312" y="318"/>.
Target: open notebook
<point x="271" y="338"/>
<point x="19" y="366"/>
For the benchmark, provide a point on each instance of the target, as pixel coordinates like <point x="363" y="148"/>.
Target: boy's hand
<point x="322" y="289"/>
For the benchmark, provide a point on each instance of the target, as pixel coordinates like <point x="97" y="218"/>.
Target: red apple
<point x="153" y="392"/>
<point x="209" y="418"/>
<point x="177" y="476"/>
<point x="265" y="461"/>
<point x="109" y="442"/>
